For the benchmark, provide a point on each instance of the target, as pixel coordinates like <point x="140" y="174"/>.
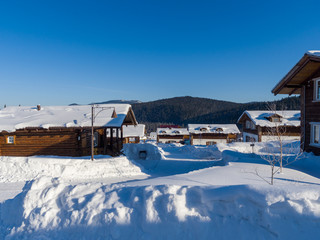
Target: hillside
<point x="184" y="110"/>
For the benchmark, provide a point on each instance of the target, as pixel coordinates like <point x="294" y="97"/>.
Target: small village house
<point x="63" y="130"/>
<point x="210" y="134"/>
<point x="304" y="79"/>
<point x="259" y="126"/>
<point x="134" y="133"/>
<point x="172" y="135"/>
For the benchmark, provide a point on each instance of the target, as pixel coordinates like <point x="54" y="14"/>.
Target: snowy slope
<point x="189" y="193"/>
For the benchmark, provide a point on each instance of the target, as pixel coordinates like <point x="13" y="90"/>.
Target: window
<point x="315" y="134"/>
<point x="203" y="129"/>
<point x="10" y="139"/>
<point x="276" y="119"/>
<point x="250" y="125"/>
<point x="317" y="90"/>
<point x="96" y="139"/>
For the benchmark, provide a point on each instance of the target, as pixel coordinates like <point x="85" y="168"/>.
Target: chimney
<point x="38" y="107"/>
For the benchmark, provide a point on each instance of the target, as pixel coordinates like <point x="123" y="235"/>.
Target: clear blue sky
<point x="60" y="52"/>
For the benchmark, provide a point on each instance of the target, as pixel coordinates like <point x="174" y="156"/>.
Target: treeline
<point x="184" y="110"/>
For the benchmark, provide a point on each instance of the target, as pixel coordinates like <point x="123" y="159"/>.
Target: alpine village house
<point x="304" y="79"/>
<point x="172" y="135"/>
<point x="262" y="126"/>
<point x="210" y="134"/>
<point x="64" y="130"/>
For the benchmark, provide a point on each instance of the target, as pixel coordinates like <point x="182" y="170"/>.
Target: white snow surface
<point x="288" y="118"/>
<point x="178" y="192"/>
<point x="213" y="128"/>
<point x="172" y="131"/>
<point x="134" y="130"/>
<point x="314" y="53"/>
<point x="13" y="118"/>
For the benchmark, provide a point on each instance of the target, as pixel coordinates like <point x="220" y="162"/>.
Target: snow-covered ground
<point x="162" y="192"/>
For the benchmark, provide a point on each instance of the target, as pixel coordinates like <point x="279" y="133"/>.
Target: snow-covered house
<point x="172" y="135"/>
<point x="152" y="136"/>
<point x="63" y="130"/>
<point x="210" y="134"/>
<point x="134" y="133"/>
<point x="304" y="79"/>
<point x="258" y="126"/>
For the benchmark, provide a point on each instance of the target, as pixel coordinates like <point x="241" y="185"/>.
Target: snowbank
<point x="50" y="209"/>
<point x="146" y="155"/>
<point x="14" y="169"/>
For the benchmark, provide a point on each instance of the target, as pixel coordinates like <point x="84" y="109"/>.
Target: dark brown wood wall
<point x="210" y="136"/>
<point x="311" y="112"/>
<point x="41" y="142"/>
<point x="59" y="142"/>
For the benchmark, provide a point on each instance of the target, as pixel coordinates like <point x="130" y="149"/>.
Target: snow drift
<point x="14" y="169"/>
<point x="51" y="209"/>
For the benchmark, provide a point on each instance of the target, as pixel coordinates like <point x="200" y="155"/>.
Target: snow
<point x="13" y="118"/>
<point x="213" y="128"/>
<point x="314" y="53"/>
<point x="288" y="118"/>
<point x="173" y="192"/>
<point x="134" y="130"/>
<point x="172" y="131"/>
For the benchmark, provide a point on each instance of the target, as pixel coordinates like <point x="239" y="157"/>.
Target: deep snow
<point x="176" y="192"/>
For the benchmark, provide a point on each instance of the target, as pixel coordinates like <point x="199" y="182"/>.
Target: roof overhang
<point x="308" y="65"/>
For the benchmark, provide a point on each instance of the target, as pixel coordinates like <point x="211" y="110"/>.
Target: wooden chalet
<point x="304" y="79"/>
<point x="63" y="130"/>
<point x="134" y="133"/>
<point x="210" y="134"/>
<point x="258" y="126"/>
<point x="172" y="135"/>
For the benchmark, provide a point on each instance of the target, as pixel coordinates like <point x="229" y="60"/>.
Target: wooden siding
<point x="41" y="142"/>
<point x="60" y="142"/>
<point x="311" y="112"/>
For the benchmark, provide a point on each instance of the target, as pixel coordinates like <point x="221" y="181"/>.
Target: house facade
<point x="210" y="134"/>
<point x="304" y="79"/>
<point x="134" y="133"/>
<point x="263" y="126"/>
<point x="64" y="130"/>
<point x="172" y="135"/>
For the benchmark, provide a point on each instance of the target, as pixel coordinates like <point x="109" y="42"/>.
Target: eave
<point x="295" y="78"/>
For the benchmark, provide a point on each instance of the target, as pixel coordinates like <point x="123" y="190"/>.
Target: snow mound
<point x="51" y="209"/>
<point x="201" y="152"/>
<point x="15" y="169"/>
<point x="147" y="155"/>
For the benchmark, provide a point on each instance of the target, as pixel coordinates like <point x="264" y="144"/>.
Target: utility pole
<point x="92" y="137"/>
<point x="93" y="116"/>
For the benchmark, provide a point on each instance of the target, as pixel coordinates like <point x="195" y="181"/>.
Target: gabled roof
<point x="260" y="118"/>
<point x="13" y="118"/>
<point x="172" y="131"/>
<point x="213" y="128"/>
<point x="134" y="130"/>
<point x="307" y="66"/>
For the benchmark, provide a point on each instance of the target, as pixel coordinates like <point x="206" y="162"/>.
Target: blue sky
<point x="61" y="52"/>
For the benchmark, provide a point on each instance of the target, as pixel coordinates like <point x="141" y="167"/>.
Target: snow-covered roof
<point x="260" y="118"/>
<point x="134" y="130"/>
<point x="13" y="118"/>
<point x="172" y="131"/>
<point x="314" y="53"/>
<point x="213" y="128"/>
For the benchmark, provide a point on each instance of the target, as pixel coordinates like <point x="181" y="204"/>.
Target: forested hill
<point x="184" y="110"/>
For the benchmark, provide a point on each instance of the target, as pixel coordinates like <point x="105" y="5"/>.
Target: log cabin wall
<point x="63" y="142"/>
<point x="208" y="138"/>
<point x="311" y="111"/>
<point x="72" y="142"/>
<point x="170" y="138"/>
